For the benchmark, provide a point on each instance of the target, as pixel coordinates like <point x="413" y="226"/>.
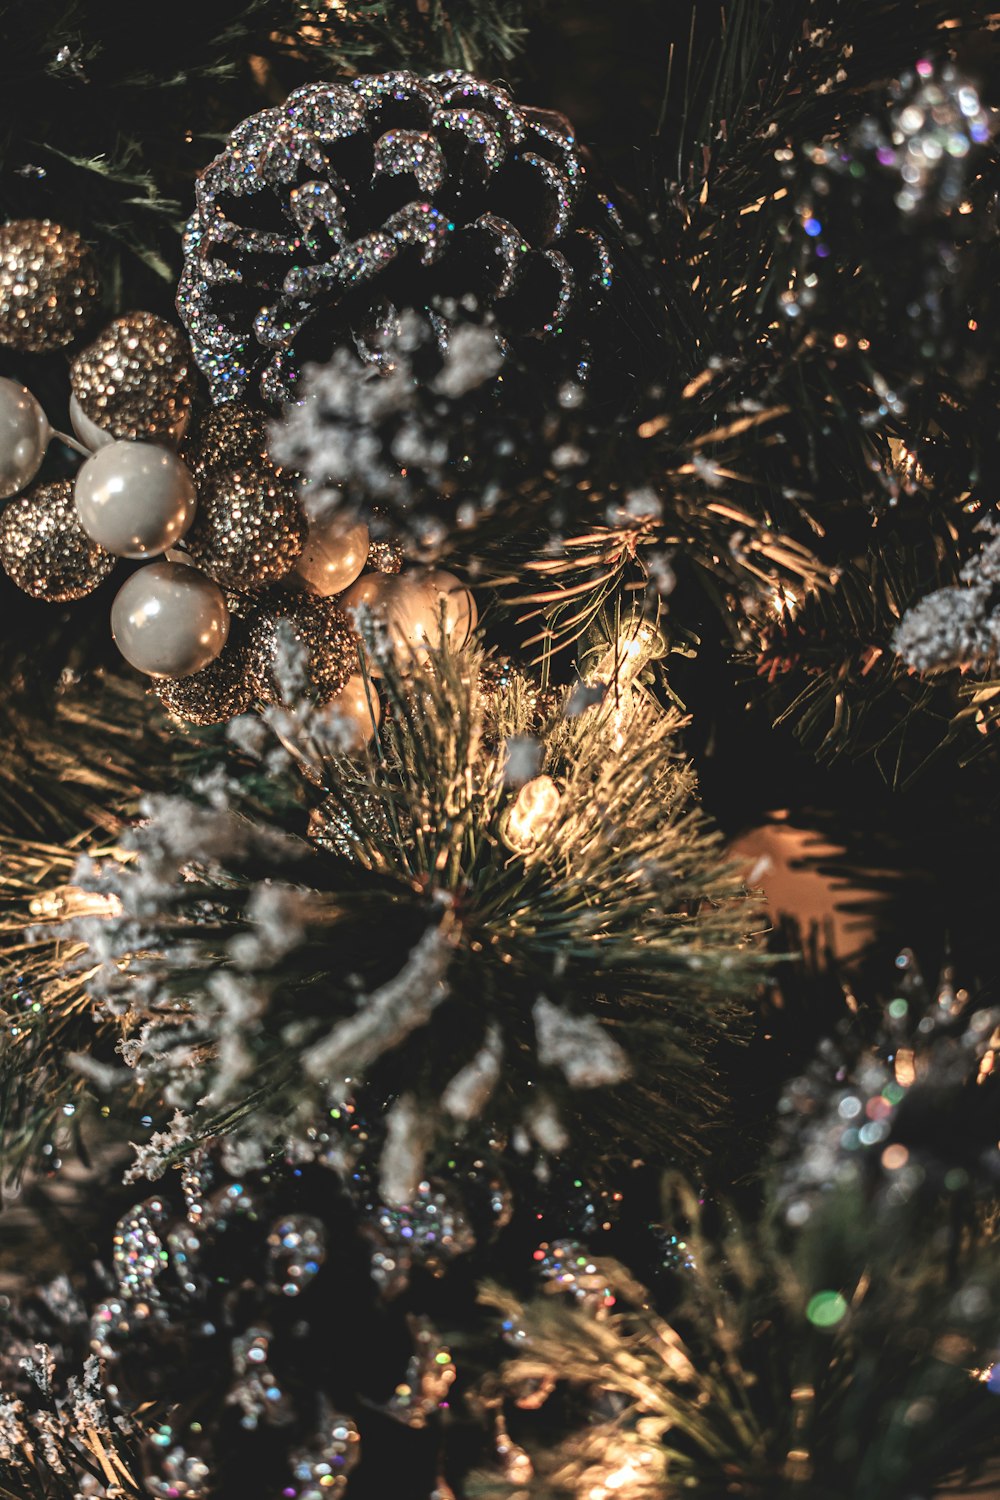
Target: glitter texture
<point x="136" y="379"/>
<point x="249" y="529"/>
<point x="297" y="1249"/>
<point x="228" y="437"/>
<point x="315" y="624"/>
<point x="46" y="551"/>
<point x="366" y="175"/>
<point x="384" y="556"/>
<point x="212" y="696"/>
<point x="48" y="285"/>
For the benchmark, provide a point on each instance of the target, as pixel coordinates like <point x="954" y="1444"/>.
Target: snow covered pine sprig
<point x="479" y="921"/>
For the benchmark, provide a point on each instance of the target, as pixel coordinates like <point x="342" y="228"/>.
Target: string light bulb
<point x="639" y="643"/>
<point x="531" y="814"/>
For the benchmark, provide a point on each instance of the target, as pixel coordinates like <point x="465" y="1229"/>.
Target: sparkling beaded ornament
<point x="314" y="628"/>
<point x="249" y="530"/>
<point x="44" y="548"/>
<point x="217" y="693"/>
<point x="134" y="381"/>
<point x="352" y="199"/>
<point x="48" y="285"/>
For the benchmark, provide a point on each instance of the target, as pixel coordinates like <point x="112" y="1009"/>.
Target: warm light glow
<point x="620" y="1483"/>
<point x="70" y="902"/>
<point x="905" y="1068"/>
<point x="532" y="814"/>
<point x="784" y="601"/>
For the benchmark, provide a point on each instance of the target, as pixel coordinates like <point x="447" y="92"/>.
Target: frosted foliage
<point x="377" y="435"/>
<point x="957" y="626"/>
<point x="578" y="1046"/>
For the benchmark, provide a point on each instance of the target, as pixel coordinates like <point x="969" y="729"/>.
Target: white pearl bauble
<point x="413" y="607"/>
<point x="24" y="437"/>
<point x="90" y="435"/>
<point x="169" y="620"/>
<point x="350" y="720"/>
<point x="334" y="555"/>
<point x="136" y="499"/>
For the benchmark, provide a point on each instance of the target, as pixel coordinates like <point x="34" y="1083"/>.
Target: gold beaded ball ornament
<point x="249" y="529"/>
<point x="49" y="285"/>
<point x="135" y="381"/>
<point x="317" y="625"/>
<point x="214" y="695"/>
<point x="46" y="551"/>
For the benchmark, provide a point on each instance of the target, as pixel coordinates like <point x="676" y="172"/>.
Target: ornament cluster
<point x="233" y="579"/>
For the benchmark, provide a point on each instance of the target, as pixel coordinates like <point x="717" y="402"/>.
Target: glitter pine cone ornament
<point x="326" y="216"/>
<point x="245" y="1342"/>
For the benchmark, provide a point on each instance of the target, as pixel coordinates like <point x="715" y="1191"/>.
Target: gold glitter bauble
<point x="249" y="528"/>
<point x="229" y="437"/>
<point x="136" y="379"/>
<point x="384" y="557"/>
<point x="317" y="624"/>
<point x="48" y="285"/>
<point x="46" y="551"/>
<point x="217" y="693"/>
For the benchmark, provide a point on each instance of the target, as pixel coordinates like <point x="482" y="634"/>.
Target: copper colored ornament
<point x="136" y="380"/>
<point x="48" y="285"/>
<point x="319" y="626"/>
<point x="44" y="548"/>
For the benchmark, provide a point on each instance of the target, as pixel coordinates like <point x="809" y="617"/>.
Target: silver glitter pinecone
<point x="327" y="214"/>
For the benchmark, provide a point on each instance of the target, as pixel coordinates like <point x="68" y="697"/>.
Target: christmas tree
<point x="501" y="623"/>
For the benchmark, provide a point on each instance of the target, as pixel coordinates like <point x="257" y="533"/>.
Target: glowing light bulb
<point x="626" y="657"/>
<point x="784" y="601"/>
<point x="532" y="814"/>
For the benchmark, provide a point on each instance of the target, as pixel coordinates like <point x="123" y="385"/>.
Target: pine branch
<point x="830" y="1342"/>
<point x="250" y="966"/>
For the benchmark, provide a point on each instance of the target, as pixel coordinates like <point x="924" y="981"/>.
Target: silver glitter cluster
<point x="48" y="285"/>
<point x="959" y="625"/>
<point x="44" y="548"/>
<point x="936" y="121"/>
<point x="320" y="1471"/>
<point x="429" y="1232"/>
<point x="297" y="1249"/>
<point x="136" y="379"/>
<point x="320" y="197"/>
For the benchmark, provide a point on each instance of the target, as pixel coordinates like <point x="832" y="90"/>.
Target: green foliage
<point x="237" y="948"/>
